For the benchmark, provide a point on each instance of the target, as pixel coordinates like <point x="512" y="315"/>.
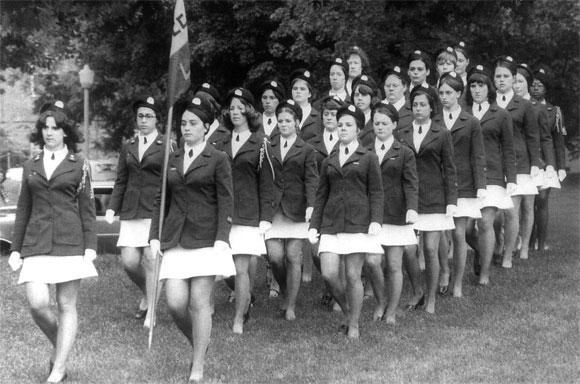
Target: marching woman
<point x="540" y="87"/>
<point x="548" y="175"/>
<point x="396" y="85"/>
<point x="272" y="93"/>
<point x="462" y="61"/>
<point x="217" y="131"/>
<point x="138" y="179"/>
<point x="446" y="61"/>
<point x="337" y="76"/>
<point x="55" y="238"/>
<point x="527" y="146"/>
<point x="251" y="188"/>
<point x="500" y="160"/>
<point x="469" y="156"/>
<point x="365" y="95"/>
<point x="348" y="213"/>
<point x="400" y="185"/>
<point x="302" y="87"/>
<point x="295" y="175"/>
<point x="358" y="64"/>
<point x="433" y="149"/>
<point x="196" y="230"/>
<point x="418" y="68"/>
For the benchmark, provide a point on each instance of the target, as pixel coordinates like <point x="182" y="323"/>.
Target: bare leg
<point x="293" y="274"/>
<point x="330" y="264"/>
<point x="131" y="261"/>
<point x="527" y="223"/>
<point x="459" y="255"/>
<point x="373" y="263"/>
<point x="38" y="295"/>
<point x="486" y="240"/>
<point x="498" y="227"/>
<point x="394" y="257"/>
<point x="200" y="312"/>
<point x="443" y="255"/>
<point x="276" y="250"/>
<point x="242" y="291"/>
<point x="177" y="292"/>
<point x="542" y="216"/>
<point x="354" y="290"/>
<point x="411" y="263"/>
<point x="306" y="262"/>
<point x="431" y="246"/>
<point x="511" y="230"/>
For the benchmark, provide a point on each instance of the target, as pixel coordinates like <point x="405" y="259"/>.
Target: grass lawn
<point x="523" y="328"/>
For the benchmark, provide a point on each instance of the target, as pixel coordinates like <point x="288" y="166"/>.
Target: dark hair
<point x="216" y="107"/>
<point x="386" y="109"/>
<point x="420" y="90"/>
<point x="454" y="82"/>
<point x="330" y="104"/>
<point x="527" y="74"/>
<point x="422" y="56"/>
<point x="310" y="88"/>
<point x="482" y="79"/>
<point x="71" y="132"/>
<point x="505" y="62"/>
<point x="447" y="55"/>
<point x="253" y="117"/>
<point x="460" y="47"/>
<point x="290" y="111"/>
<point x="365" y="90"/>
<point x="364" y="59"/>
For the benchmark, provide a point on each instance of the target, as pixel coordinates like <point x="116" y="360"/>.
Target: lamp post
<point x="87" y="77"/>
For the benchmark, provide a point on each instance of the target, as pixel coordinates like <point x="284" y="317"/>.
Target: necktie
<point x="52" y="157"/>
<point x="503" y="98"/>
<point x="238" y="138"/>
<point x="450" y="116"/>
<point x="269" y="121"/>
<point x="144" y="140"/>
<point x="330" y="138"/>
<point x="383" y="147"/>
<point x="190" y="153"/>
<point x="286" y="144"/>
<point x="420" y="129"/>
<point x="346" y="151"/>
<point x="480" y="108"/>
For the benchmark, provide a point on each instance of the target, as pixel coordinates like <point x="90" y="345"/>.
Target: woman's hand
<point x="313" y="236"/>
<point x="90" y="255"/>
<point x="264" y="227"/>
<point x="155" y="246"/>
<point x="561" y="174"/>
<point x="451" y="209"/>
<point x="220" y="246"/>
<point x="550" y="172"/>
<point x="411" y="217"/>
<point x="308" y="216"/>
<point x="374" y="228"/>
<point x="535" y="171"/>
<point x="511" y="188"/>
<point x="110" y="216"/>
<point x="15" y="261"/>
<point x="481" y="193"/>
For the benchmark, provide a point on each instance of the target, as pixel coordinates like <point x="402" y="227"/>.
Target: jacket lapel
<point x="134" y="148"/>
<point x="200" y="161"/>
<point x="490" y="113"/>
<point x="248" y="145"/>
<point x="355" y="157"/>
<point x="38" y="165"/>
<point x="406" y="136"/>
<point x="294" y="149"/>
<point x="393" y="152"/>
<point x="154" y="147"/>
<point x="431" y="135"/>
<point x="276" y="151"/>
<point x="67" y="165"/>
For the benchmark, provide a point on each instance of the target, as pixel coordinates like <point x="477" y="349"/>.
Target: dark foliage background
<point x="236" y="43"/>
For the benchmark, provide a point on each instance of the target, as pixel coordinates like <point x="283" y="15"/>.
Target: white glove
<point x="90" y="255"/>
<point x="481" y="193"/>
<point x="313" y="236"/>
<point x="308" y="216"/>
<point x="550" y="172"/>
<point x="110" y="216"/>
<point x="15" y="261"/>
<point x="264" y="227"/>
<point x="411" y="217"/>
<point x="561" y="174"/>
<point x="374" y="228"/>
<point x="220" y="246"/>
<point x="450" y="211"/>
<point x="535" y="171"/>
<point x="511" y="188"/>
<point x="155" y="246"/>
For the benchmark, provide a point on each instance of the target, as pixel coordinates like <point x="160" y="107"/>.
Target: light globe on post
<point x="87" y="77"/>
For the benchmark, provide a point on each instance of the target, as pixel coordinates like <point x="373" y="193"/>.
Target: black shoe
<point x="497" y="259"/>
<point x="443" y="289"/>
<point x="413" y="307"/>
<point x="140" y="314"/>
<point x="247" y="315"/>
<point x="326" y="299"/>
<point x="343" y="329"/>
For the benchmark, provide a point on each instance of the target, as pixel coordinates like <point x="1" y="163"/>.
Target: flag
<point x="179" y="71"/>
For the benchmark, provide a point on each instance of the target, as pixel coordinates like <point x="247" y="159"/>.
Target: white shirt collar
<point x="475" y="109"/>
<point x="212" y="128"/>
<point x="508" y="97"/>
<point x="387" y="143"/>
<point x="150" y="137"/>
<point x="289" y="140"/>
<point x="399" y="104"/>
<point x="342" y="95"/>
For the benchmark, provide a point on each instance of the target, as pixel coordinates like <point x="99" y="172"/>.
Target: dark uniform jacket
<point x="547" y="155"/>
<point x="400" y="183"/>
<point x="367" y="135"/>
<point x="57" y="216"/>
<point x="350" y="197"/>
<point x="435" y="168"/>
<point x="526" y="134"/>
<point x="312" y="126"/>
<point x="557" y="132"/>
<point x="199" y="201"/>
<point x="137" y="181"/>
<point x="468" y="152"/>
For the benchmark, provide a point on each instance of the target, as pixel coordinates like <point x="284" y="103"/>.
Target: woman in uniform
<point x="55" y="238"/>
<point x="302" y="89"/>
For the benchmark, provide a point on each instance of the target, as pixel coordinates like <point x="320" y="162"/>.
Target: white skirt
<point x="134" y="233"/>
<point x="434" y="222"/>
<point x="347" y="243"/>
<point x="55" y="269"/>
<point x="468" y="207"/>
<point x="497" y="197"/>
<point x="246" y="240"/>
<point x="285" y="228"/>
<point x="525" y="185"/>
<point x="397" y="235"/>
<point x="181" y="263"/>
<point x="546" y="182"/>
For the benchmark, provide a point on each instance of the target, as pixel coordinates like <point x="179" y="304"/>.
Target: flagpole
<point x="153" y="300"/>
